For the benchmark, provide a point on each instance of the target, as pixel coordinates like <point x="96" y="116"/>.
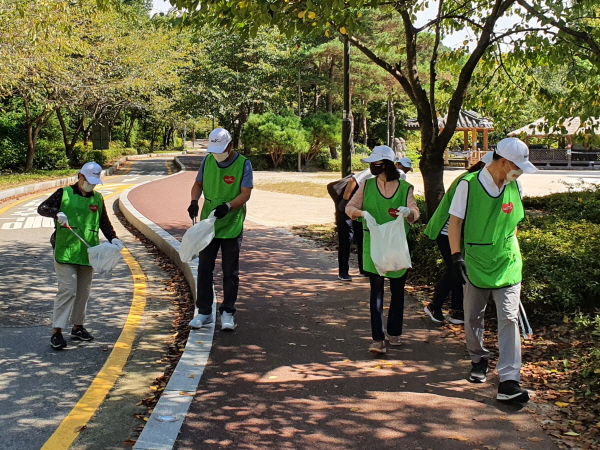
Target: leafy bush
<point x="580" y="205"/>
<point x="335" y="165"/>
<point x="142" y="146"/>
<point x="323" y="130"/>
<point x="274" y="134"/>
<point x="82" y="155"/>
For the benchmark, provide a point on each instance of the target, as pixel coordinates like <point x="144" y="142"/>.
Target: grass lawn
<point x="20" y="179"/>
<point x="305" y="188"/>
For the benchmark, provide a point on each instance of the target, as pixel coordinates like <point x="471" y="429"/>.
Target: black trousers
<point x="346" y="234"/>
<point x="396" y="311"/>
<point x="447" y="283"/>
<point x="230" y="256"/>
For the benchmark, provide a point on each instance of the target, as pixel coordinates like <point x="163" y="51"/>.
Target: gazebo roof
<point x="569" y="127"/>
<point x="467" y="120"/>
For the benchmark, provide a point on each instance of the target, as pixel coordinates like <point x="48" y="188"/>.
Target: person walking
<point x="385" y="197"/>
<point x="484" y="215"/>
<point x="82" y="209"/>
<point x="404" y="165"/>
<point x="225" y="178"/>
<point x="349" y="230"/>
<point x="437" y="230"/>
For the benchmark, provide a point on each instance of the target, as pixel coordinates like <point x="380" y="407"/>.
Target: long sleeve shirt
<point x="387" y="189"/>
<point x="51" y="207"/>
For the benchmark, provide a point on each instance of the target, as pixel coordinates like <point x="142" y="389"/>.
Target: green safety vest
<point x="442" y="212"/>
<point x="379" y="207"/>
<point x="492" y="253"/>
<point x="221" y="185"/>
<point x="84" y="215"/>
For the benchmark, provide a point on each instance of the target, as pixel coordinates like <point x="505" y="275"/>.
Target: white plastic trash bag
<point x="104" y="258"/>
<point x="196" y="238"/>
<point x="389" y="247"/>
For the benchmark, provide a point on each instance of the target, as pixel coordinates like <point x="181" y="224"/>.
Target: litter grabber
<point x="103" y="258"/>
<point x="525" y="327"/>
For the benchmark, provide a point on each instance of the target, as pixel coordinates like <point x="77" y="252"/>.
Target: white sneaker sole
<point x="228" y="327"/>
<point x="377" y="351"/>
<point x="521" y="397"/>
<point x="430" y="314"/>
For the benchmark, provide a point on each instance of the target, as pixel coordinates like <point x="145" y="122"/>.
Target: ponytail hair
<point x="391" y="173"/>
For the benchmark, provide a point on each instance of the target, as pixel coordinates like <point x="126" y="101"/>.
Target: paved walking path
<point x="296" y="373"/>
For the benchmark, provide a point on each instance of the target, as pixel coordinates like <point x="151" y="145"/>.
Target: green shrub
<point x="142" y="146"/>
<point x="277" y="135"/>
<point x="259" y="162"/>
<point x="335" y="165"/>
<point x="580" y="205"/>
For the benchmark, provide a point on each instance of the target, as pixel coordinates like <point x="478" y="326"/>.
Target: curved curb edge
<point x="166" y="420"/>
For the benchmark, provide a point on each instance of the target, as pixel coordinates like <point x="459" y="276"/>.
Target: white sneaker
<point x="200" y="320"/>
<point x="227" y="323"/>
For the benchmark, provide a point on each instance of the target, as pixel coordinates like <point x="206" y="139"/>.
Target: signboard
<point x="100" y="135"/>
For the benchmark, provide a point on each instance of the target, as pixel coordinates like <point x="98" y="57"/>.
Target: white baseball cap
<point x="218" y="140"/>
<point x="379" y="153"/>
<point x="516" y="151"/>
<point x="488" y="157"/>
<point x="406" y="162"/>
<point x="92" y="171"/>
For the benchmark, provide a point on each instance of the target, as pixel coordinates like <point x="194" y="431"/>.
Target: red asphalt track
<point x="296" y="373"/>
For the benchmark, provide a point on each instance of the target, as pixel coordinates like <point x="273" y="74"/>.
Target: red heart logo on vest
<point x="228" y="179"/>
<point x="507" y="207"/>
<point x="393" y="212"/>
<point x="94" y="208"/>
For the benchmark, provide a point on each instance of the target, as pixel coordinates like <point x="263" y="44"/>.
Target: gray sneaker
<point x="227" y="322"/>
<point x="377" y="347"/>
<point x="200" y="320"/>
<point x="393" y="340"/>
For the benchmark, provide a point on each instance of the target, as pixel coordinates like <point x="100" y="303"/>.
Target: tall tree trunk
<point x="63" y="127"/>
<point x="392" y="124"/>
<point x="34" y="127"/>
<point x="129" y="129"/>
<point x="364" y="129"/>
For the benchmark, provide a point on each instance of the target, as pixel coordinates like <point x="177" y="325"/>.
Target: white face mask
<point x="220" y="157"/>
<point x="512" y="175"/>
<point x="87" y="187"/>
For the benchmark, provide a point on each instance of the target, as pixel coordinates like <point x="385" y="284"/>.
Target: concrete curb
<point x="60" y="182"/>
<point x="162" y="428"/>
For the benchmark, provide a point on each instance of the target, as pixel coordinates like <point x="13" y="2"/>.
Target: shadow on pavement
<point x="296" y="373"/>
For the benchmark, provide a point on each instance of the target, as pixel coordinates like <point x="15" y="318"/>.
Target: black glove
<point x="221" y="210"/>
<point x="193" y="209"/>
<point x="459" y="268"/>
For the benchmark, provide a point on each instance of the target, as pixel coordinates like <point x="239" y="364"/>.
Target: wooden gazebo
<point x="564" y="132"/>
<point x="468" y="122"/>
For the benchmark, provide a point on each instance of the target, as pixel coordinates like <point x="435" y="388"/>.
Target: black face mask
<point x="376" y="169"/>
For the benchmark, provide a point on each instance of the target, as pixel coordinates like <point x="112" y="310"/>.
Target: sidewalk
<point x="296" y="373"/>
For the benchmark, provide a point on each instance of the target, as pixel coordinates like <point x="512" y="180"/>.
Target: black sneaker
<point x="81" y="334"/>
<point x="436" y="316"/>
<point x="57" y="341"/>
<point x="479" y="371"/>
<point x="457" y="317"/>
<point x="344" y="277"/>
<point x="510" y="390"/>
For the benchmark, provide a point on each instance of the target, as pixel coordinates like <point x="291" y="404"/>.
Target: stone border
<point x="60" y="182"/>
<point x="164" y="424"/>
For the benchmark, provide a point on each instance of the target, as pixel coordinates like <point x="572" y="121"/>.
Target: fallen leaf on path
<point x="534" y="439"/>
<point x="129" y="442"/>
<point x="458" y="438"/>
<point x="561" y="404"/>
<point x="571" y="433"/>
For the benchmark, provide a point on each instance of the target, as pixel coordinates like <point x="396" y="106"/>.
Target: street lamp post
<point x="347" y="116"/>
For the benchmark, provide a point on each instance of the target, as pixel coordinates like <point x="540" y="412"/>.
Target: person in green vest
<point x="386" y="197"/>
<point x="484" y="215"/>
<point x="81" y="208"/>
<point x="225" y="179"/>
<point x="437" y="230"/>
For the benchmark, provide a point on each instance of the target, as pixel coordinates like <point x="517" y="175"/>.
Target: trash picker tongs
<point x="79" y="237"/>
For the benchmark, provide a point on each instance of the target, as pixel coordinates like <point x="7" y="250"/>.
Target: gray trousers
<point x="74" y="286"/>
<point x="509" y="341"/>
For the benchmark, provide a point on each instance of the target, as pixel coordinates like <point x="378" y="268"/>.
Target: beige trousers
<point x="74" y="285"/>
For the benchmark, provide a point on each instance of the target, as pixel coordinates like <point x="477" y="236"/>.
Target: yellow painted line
<point x="168" y="166"/>
<point x="6" y="208"/>
<point x="125" y="186"/>
<point x="86" y="407"/>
